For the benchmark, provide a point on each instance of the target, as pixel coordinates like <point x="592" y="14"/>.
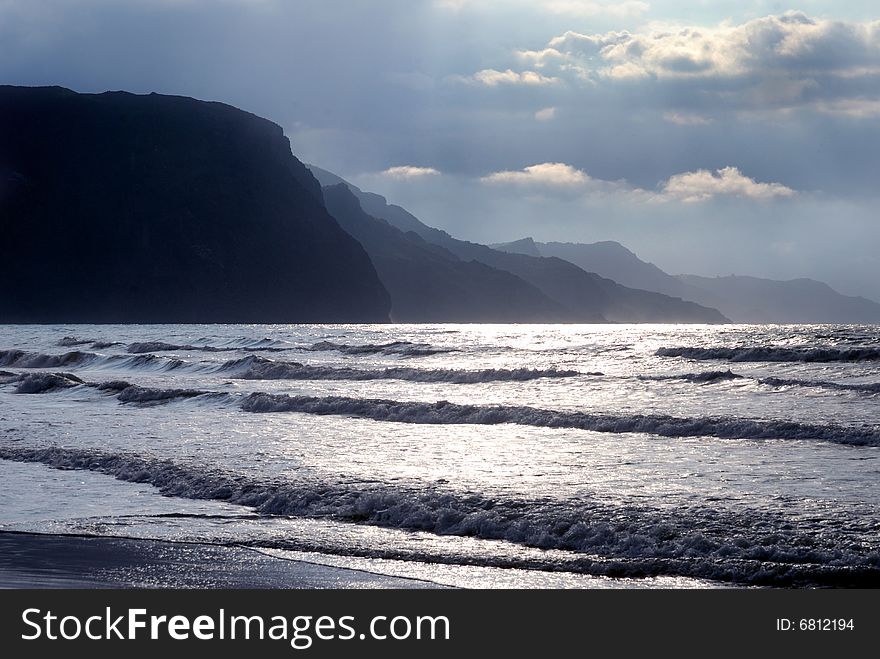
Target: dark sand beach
<point x="61" y="561"/>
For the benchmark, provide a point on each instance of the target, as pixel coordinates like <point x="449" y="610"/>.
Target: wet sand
<point x="59" y="561"/>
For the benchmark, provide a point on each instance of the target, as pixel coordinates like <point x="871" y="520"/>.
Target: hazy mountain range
<point x="742" y="299"/>
<point x="573" y="294"/>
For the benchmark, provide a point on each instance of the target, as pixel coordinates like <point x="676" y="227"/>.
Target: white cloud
<point x="688" y="187"/>
<point x="494" y="78"/>
<point x="703" y="185"/>
<point x="791" y="42"/>
<point x="555" y="174"/>
<point x="545" y="114"/>
<point x="408" y="172"/>
<point x="540" y="58"/>
<point x="778" y="63"/>
<point x="686" y="119"/>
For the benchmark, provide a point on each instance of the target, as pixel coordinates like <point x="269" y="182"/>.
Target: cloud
<point x="545" y="114"/>
<point x="555" y="174"/>
<point x="860" y="108"/>
<point x="494" y="78"/>
<point x="540" y="58"/>
<point x="689" y="187"/>
<point x="409" y="172"/>
<point x="782" y="62"/>
<point x="791" y="42"/>
<point x="703" y="185"/>
<point x="686" y="119"/>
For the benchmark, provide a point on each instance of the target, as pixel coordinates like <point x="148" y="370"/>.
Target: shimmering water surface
<point x="481" y="455"/>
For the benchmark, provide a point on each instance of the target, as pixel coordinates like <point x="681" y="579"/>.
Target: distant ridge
<point x="740" y="298"/>
<point x="428" y="283"/>
<point x="584" y="296"/>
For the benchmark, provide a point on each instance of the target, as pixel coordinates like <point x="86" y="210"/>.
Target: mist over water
<point x="699" y="454"/>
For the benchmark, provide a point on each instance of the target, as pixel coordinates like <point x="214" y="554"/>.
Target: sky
<point x="711" y="138"/>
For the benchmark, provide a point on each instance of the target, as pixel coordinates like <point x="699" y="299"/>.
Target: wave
<point x="145" y="395"/>
<point x="774" y="354"/>
<point x="444" y="412"/>
<point x="162" y="346"/>
<point x="260" y="368"/>
<point x="746" y="547"/>
<point x="869" y="388"/>
<point x="703" y="377"/>
<point x="38" y="383"/>
<point x="708" y="377"/>
<point x="24" y="359"/>
<point x="404" y="348"/>
<point x="255" y="367"/>
<point x="70" y="341"/>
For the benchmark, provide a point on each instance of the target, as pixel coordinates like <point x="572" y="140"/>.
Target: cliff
<point x="123" y="208"/>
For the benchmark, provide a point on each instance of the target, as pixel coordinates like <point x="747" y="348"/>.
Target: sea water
<point x="469" y="455"/>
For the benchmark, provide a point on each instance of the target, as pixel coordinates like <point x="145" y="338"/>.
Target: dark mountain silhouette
<point x="430" y="284"/>
<point x="586" y="296"/>
<point x="742" y="299"/>
<point x="123" y="208"/>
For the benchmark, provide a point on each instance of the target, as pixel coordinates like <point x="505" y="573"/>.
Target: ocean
<point x="518" y="456"/>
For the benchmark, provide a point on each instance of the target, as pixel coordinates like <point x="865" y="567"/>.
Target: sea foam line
<point x="621" y="540"/>
<point x="260" y="368"/>
<point x="773" y="354"/>
<point x="256" y="367"/>
<point x="444" y="412"/>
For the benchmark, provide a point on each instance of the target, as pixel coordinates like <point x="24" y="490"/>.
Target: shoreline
<point x="32" y="560"/>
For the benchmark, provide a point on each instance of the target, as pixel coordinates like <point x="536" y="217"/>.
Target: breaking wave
<point x="704" y="377"/>
<point x="260" y="368"/>
<point x="774" y="354"/>
<point x="161" y="346"/>
<point x="404" y="348"/>
<point x="744" y="547"/>
<point x="868" y="388"/>
<point x="24" y="359"/>
<point x="255" y="367"/>
<point x="70" y="341"/>
<point x="708" y="377"/>
<point x="38" y="383"/>
<point x="444" y="412"/>
<point x="145" y="395"/>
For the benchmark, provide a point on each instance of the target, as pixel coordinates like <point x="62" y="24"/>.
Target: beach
<point x="57" y="561"/>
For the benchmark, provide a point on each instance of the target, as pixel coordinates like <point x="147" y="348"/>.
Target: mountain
<point x="428" y="283"/>
<point x="586" y="296"/>
<point x="755" y="300"/>
<point x="118" y="207"/>
<point x="607" y="258"/>
<point x="742" y="299"/>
